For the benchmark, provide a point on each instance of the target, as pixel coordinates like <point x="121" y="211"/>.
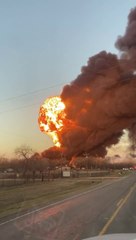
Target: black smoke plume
<point x="101" y="101"/>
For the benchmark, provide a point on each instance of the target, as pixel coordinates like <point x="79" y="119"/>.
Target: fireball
<point x="51" y="117"/>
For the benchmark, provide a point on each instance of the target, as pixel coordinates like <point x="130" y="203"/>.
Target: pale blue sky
<point x="43" y="45"/>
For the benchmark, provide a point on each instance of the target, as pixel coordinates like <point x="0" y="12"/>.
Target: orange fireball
<point x="51" y="118"/>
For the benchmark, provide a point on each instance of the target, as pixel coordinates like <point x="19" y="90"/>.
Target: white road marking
<point x="59" y="202"/>
<point x="106" y="226"/>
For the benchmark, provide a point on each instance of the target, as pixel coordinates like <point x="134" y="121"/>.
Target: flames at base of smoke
<point x="101" y="102"/>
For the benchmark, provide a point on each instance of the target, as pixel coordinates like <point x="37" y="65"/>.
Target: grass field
<point x="26" y="197"/>
<point x="19" y="199"/>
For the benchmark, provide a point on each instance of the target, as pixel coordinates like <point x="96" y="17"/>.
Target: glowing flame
<point x="51" y="118"/>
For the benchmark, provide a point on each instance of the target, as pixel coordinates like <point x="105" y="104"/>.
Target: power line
<point x="40" y="90"/>
<point x="31" y="93"/>
<point x="26" y="94"/>
<point x="19" y="108"/>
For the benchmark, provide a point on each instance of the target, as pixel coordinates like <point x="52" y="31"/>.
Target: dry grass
<point x="19" y="199"/>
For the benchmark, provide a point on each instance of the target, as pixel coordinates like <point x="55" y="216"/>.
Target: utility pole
<point x="86" y="155"/>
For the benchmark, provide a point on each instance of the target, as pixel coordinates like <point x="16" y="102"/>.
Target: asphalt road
<point x="109" y="208"/>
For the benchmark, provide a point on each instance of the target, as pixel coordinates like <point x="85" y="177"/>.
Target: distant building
<point x="66" y="171"/>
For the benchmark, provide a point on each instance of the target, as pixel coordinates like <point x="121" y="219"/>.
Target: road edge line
<point x="61" y="201"/>
<point x="106" y="226"/>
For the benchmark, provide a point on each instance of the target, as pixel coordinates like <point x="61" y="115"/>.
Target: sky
<point x="43" y="45"/>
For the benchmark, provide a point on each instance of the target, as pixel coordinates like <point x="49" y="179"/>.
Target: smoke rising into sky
<point x="100" y="102"/>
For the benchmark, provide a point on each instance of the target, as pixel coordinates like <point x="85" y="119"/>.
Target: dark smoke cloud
<point x="127" y="43"/>
<point x="101" y="101"/>
<point x="52" y="153"/>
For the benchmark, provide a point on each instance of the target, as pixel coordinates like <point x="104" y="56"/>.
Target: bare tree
<point x="24" y="152"/>
<point x="4" y="163"/>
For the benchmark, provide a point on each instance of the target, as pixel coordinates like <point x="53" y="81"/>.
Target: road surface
<point x="109" y="208"/>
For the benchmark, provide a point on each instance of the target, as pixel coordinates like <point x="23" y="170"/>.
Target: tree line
<point x="48" y="165"/>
